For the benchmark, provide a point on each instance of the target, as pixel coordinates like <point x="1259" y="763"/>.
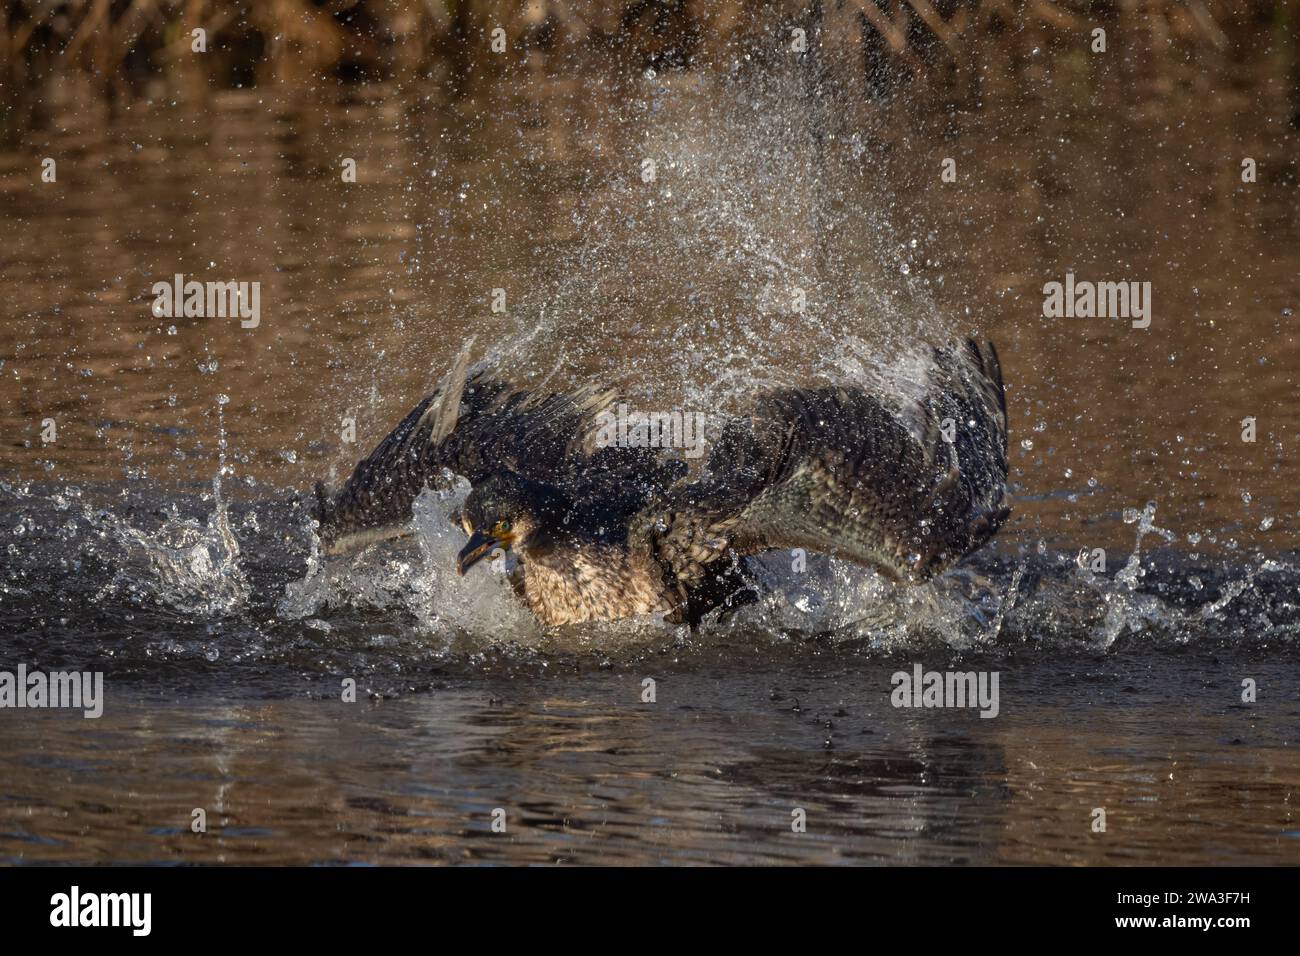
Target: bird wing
<point x="472" y="425"/>
<point x="908" y="489"/>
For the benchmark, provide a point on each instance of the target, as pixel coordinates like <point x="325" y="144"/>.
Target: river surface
<point x="160" y="533"/>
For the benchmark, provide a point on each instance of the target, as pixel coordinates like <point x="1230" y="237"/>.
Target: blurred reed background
<point x="139" y="48"/>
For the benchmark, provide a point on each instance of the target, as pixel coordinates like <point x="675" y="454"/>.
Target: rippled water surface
<point x="161" y="538"/>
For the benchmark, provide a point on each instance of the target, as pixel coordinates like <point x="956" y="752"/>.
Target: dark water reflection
<point x="710" y="773"/>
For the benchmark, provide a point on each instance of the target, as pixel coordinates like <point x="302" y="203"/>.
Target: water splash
<point x="106" y="569"/>
<point x="193" y="566"/>
<point x="421" y="579"/>
<point x="741" y="263"/>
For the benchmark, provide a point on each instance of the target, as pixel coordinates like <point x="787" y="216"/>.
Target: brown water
<point x="710" y="773"/>
<point x="224" y="662"/>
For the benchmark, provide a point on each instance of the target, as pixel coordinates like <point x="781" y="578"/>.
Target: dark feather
<point x="837" y="470"/>
<point x="494" y="427"/>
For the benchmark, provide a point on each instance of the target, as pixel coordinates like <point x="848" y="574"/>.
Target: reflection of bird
<point x="906" y="487"/>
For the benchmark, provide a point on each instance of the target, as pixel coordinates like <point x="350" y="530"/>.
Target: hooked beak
<point x="480" y="545"/>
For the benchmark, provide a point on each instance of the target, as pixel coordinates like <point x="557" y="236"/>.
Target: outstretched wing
<point x="472" y="425"/>
<point x="842" y="471"/>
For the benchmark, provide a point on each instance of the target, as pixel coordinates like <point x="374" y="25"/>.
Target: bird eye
<point x="501" y="527"/>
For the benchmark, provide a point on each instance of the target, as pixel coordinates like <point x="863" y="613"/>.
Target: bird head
<point x="503" y="512"/>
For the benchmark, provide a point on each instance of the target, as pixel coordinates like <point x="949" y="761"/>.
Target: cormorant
<point x="906" y="487"/>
